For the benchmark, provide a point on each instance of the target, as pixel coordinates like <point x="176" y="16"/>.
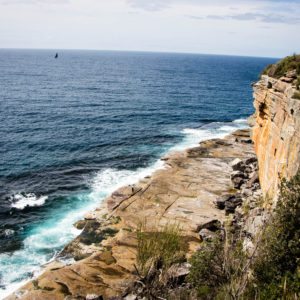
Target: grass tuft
<point x="158" y="248"/>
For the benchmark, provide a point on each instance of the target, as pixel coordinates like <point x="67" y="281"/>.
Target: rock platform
<point x="185" y="192"/>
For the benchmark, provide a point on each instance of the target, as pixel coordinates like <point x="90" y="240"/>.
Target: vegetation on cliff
<point x="221" y="269"/>
<point x="289" y="63"/>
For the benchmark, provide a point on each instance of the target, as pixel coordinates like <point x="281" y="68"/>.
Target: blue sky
<point x="256" y="27"/>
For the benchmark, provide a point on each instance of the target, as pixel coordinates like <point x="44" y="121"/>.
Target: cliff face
<point x="276" y="133"/>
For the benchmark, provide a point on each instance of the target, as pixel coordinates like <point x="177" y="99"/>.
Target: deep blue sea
<point x="74" y="128"/>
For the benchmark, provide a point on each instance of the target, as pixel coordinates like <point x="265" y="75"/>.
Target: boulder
<point x="212" y="225"/>
<point x="233" y="203"/>
<point x="178" y="272"/>
<point x="206" y="235"/>
<point x="238" y="182"/>
<point x="220" y="202"/>
<point x="247" y="192"/>
<point x="250" y="160"/>
<point x="237" y="164"/>
<point x="287" y="79"/>
<point x="291" y="74"/>
<point x="236" y="174"/>
<point x="254" y="179"/>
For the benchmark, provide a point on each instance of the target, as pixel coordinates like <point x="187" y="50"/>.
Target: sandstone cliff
<point x="276" y="132"/>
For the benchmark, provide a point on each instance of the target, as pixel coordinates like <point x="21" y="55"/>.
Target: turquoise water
<point x="76" y="128"/>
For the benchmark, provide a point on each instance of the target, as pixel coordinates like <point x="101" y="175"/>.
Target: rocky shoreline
<point x="222" y="185"/>
<point x="197" y="189"/>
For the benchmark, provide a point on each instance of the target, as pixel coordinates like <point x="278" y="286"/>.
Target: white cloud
<point x="169" y="25"/>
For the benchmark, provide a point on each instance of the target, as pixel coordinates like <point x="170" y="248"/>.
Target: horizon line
<point x="140" y="51"/>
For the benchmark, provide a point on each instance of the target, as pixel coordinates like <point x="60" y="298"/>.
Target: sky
<point x="247" y="27"/>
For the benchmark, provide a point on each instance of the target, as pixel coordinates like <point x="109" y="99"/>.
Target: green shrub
<point x="218" y="269"/>
<point x="279" y="69"/>
<point x="221" y="270"/>
<point x="276" y="270"/>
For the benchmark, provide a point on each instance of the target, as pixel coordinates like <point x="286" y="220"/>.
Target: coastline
<point x="106" y="182"/>
<point x="184" y="190"/>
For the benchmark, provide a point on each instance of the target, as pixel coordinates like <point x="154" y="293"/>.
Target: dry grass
<point x="158" y="248"/>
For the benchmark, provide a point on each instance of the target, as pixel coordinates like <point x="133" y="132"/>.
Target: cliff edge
<point x="276" y="131"/>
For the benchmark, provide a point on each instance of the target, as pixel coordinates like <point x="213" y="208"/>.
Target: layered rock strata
<point x="186" y="191"/>
<point x="276" y="131"/>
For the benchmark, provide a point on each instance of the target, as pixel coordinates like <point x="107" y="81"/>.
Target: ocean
<point x="73" y="129"/>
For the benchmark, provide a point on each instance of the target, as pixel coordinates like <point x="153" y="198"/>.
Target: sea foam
<point x="20" y="201"/>
<point x="48" y="238"/>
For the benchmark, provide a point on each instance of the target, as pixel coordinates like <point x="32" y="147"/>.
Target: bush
<point x="218" y="269"/>
<point x="276" y="270"/>
<point x="280" y="68"/>
<point x="221" y="270"/>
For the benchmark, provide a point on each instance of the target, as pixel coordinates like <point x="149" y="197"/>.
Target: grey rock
<point x="237" y="164"/>
<point x="236" y="174"/>
<point x="254" y="179"/>
<point x="220" y="202"/>
<point x="238" y="181"/>
<point x="206" y="235"/>
<point x="247" y="192"/>
<point x="250" y="160"/>
<point x="130" y="297"/>
<point x="232" y="204"/>
<point x="178" y="272"/>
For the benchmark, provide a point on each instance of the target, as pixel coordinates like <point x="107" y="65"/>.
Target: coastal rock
<point x="232" y="203"/>
<point x="291" y="74"/>
<point x="238" y="181"/>
<point x="178" y="272"/>
<point x="276" y="133"/>
<point x="212" y="225"/>
<point x="206" y="234"/>
<point x="185" y="192"/>
<point x="220" y="201"/>
<point x="237" y="164"/>
<point x="287" y="79"/>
